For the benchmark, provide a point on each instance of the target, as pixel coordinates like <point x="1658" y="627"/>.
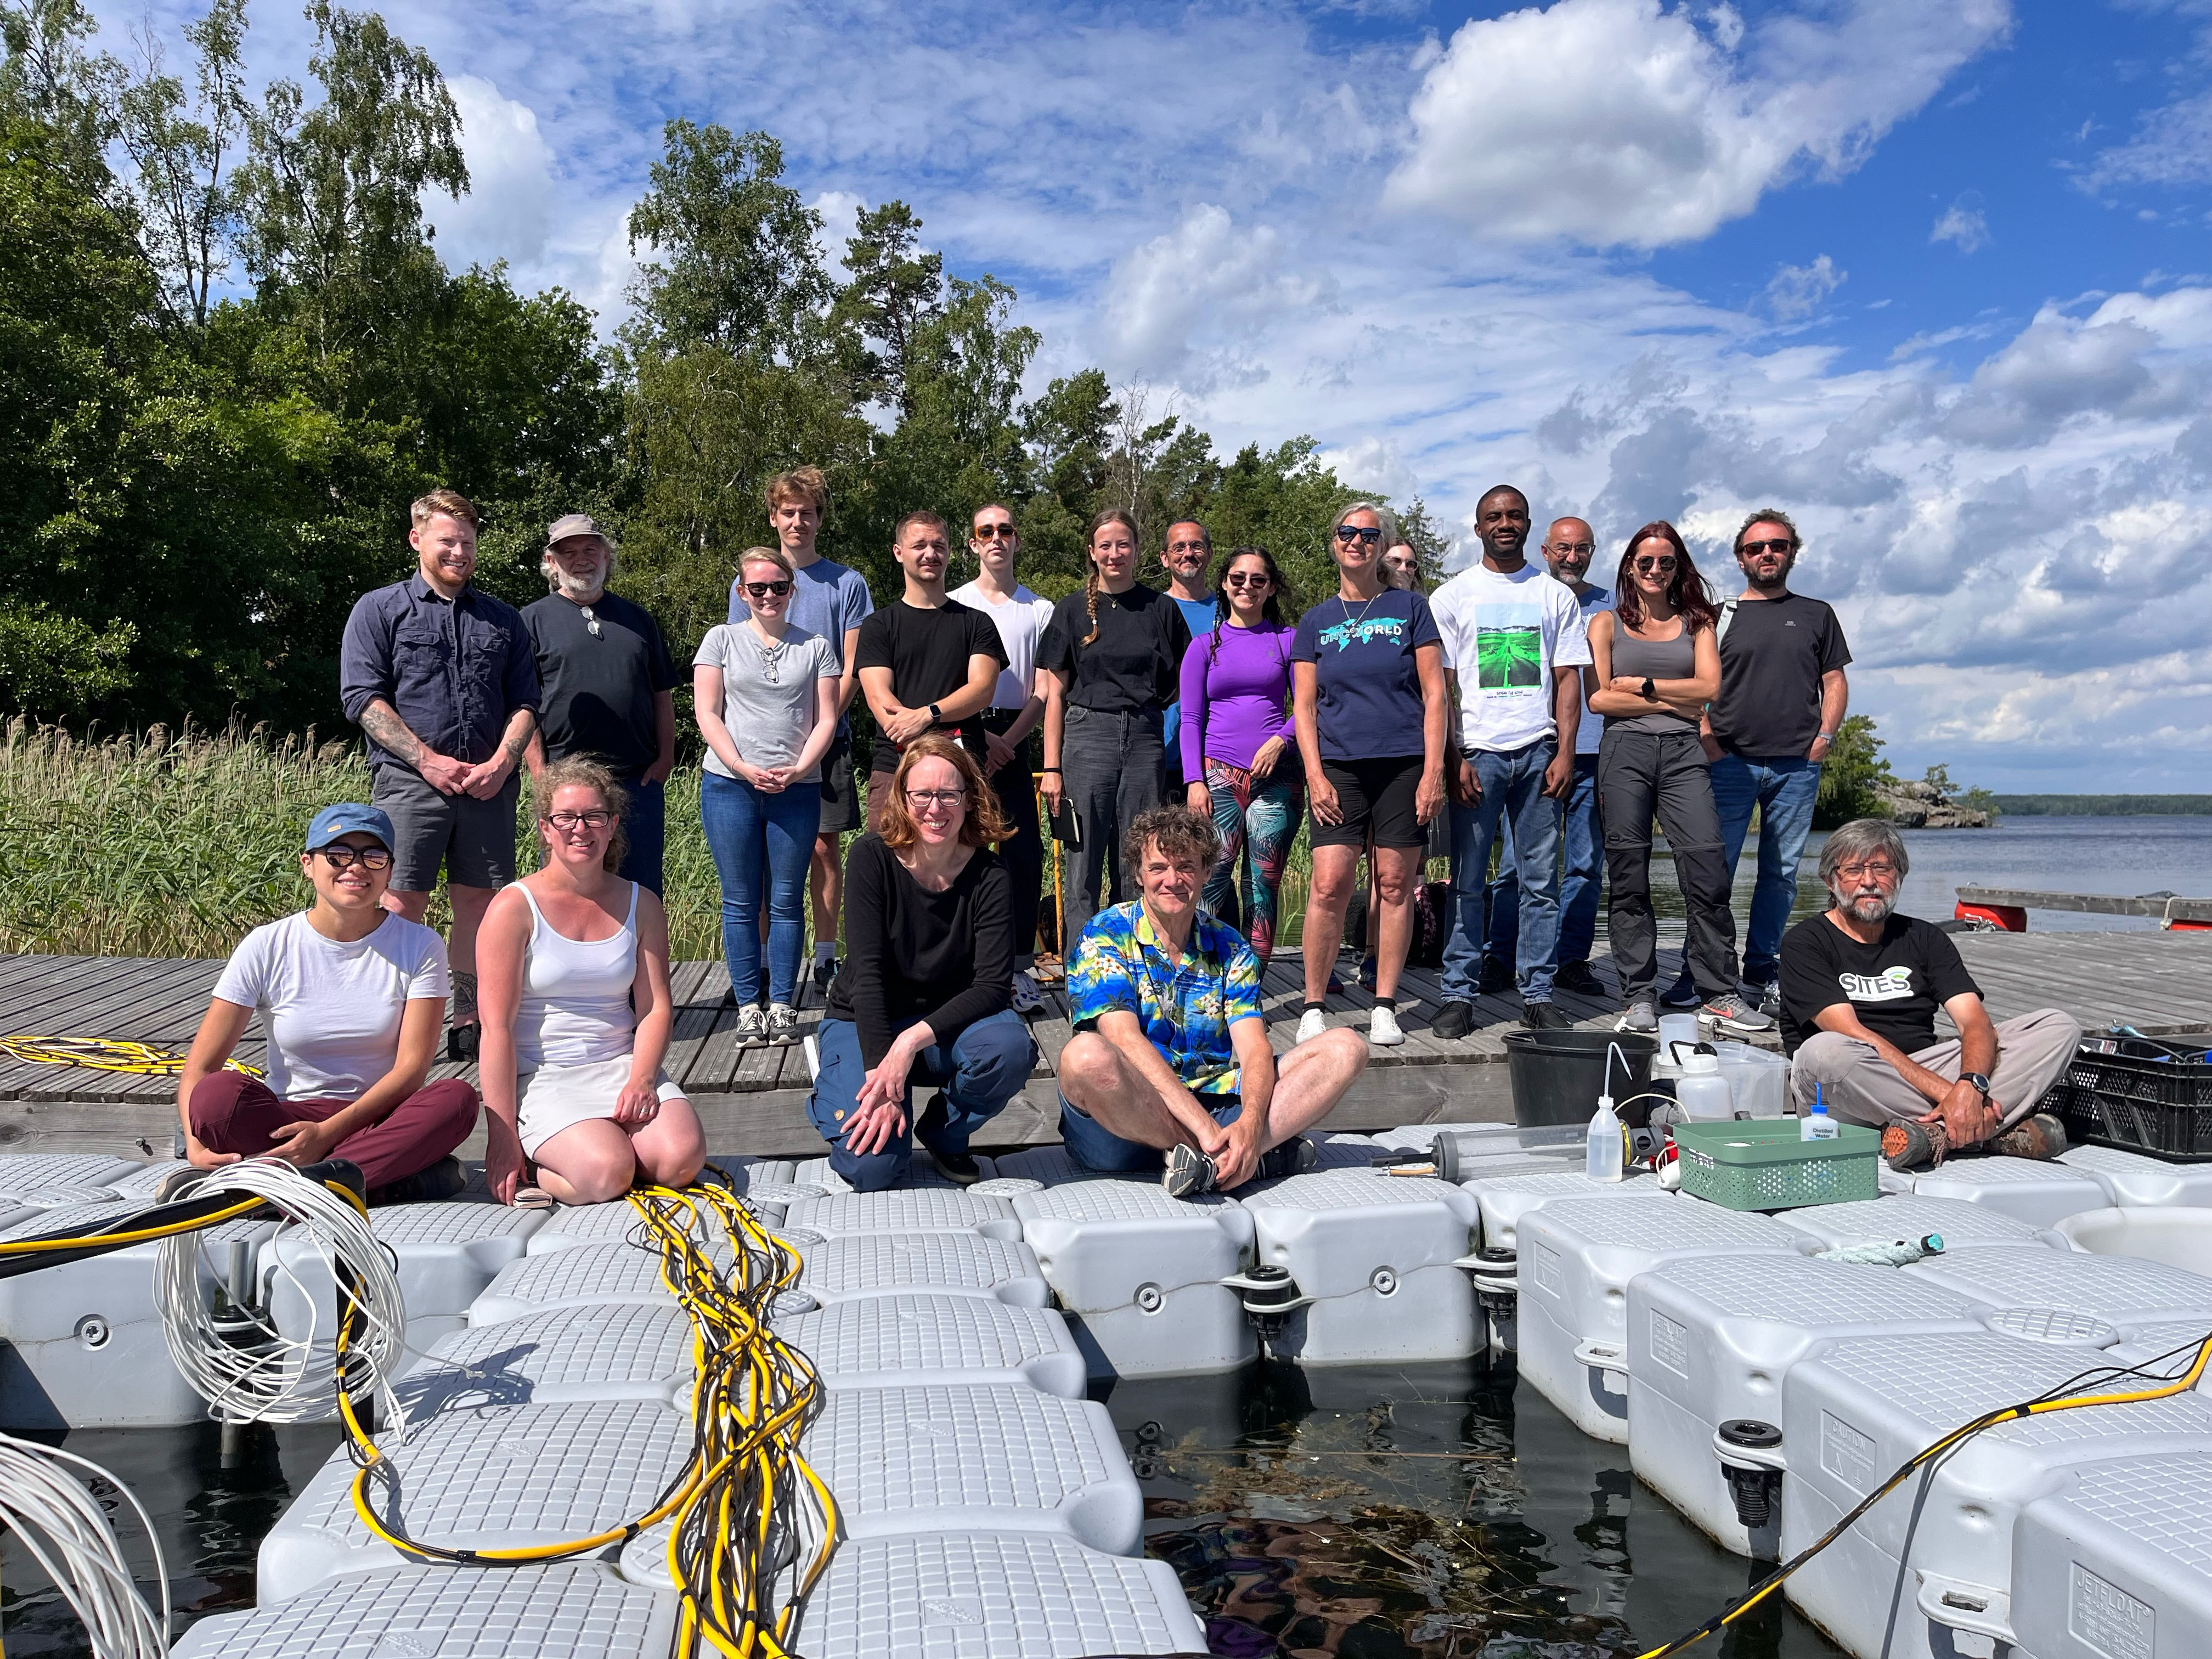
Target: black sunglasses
<point x="762" y="590"/>
<point x="1351" y="532"/>
<point x="1662" y="562"/>
<point x="338" y="855"/>
<point x="1247" y="579"/>
<point x="1752" y="550"/>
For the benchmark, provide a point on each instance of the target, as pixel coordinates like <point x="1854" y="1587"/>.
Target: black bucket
<point x="1558" y="1075"/>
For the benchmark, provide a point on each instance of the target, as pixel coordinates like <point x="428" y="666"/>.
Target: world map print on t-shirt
<point x="1367" y="686"/>
<point x="1508" y="648"/>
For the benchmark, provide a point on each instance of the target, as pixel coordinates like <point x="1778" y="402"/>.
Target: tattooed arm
<point x="442" y="772"/>
<point x="486" y="778"/>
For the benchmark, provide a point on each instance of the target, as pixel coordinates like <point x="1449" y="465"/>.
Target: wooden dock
<point x="753" y="1099"/>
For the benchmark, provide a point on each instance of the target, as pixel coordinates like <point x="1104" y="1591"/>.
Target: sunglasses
<point x="339" y="856"/>
<point x="986" y="533"/>
<point x="1348" y="533"/>
<point x="1752" y="550"/>
<point x="1659" y="561"/>
<point x="762" y="590"/>
<point x="1247" y="579"/>
<point x="591" y="620"/>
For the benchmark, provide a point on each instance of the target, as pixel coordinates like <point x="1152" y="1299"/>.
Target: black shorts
<point x="1375" y="799"/>
<point x="472" y="840"/>
<point x="840" y="790"/>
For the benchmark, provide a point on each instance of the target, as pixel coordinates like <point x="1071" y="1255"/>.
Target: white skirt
<point x="556" y="1097"/>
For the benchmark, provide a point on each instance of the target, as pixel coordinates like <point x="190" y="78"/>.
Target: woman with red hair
<point x="1657" y="663"/>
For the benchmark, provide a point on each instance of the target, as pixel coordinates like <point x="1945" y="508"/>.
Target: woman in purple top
<point x="1240" y="752"/>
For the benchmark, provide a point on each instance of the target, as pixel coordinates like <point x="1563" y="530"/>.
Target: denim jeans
<point x="979" y="1072"/>
<point x="746" y="827"/>
<point x="1580" y="888"/>
<point x="1111" y="769"/>
<point x="1513" y="792"/>
<point x="1783" y="787"/>
<point x="646" y="826"/>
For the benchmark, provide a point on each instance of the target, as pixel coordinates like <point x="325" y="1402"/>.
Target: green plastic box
<point x="1766" y="1165"/>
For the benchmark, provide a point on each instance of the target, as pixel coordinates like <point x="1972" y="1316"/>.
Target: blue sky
<point x="1933" y="275"/>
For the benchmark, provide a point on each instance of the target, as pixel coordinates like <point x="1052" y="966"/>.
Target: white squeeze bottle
<point x="1817" y="1125"/>
<point x="1602" y="1158"/>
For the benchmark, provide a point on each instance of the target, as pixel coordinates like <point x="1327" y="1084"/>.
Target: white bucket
<point x="2179" y="1237"/>
<point x="1758" y="1081"/>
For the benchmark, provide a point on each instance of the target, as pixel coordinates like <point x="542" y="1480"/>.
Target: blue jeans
<point x="1783" y="787"/>
<point x="1095" y="1146"/>
<point x="983" y="1069"/>
<point x="646" y="826"/>
<point x="1513" y="791"/>
<point x="745" y="826"/>
<point x="1580" y="888"/>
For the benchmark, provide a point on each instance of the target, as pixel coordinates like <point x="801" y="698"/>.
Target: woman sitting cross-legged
<point x="352" y="998"/>
<point x="573" y="982"/>
<point x="925" y="994"/>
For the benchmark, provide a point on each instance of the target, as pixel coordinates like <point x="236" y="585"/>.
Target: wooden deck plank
<point x="64" y="1010"/>
<point x="57" y="984"/>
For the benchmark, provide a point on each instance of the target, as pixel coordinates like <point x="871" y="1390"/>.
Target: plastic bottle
<point x="1702" y="1092"/>
<point x="1817" y="1125"/>
<point x="1604" y="1154"/>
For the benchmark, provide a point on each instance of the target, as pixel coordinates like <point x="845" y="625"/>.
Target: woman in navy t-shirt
<point x="1370" y="706"/>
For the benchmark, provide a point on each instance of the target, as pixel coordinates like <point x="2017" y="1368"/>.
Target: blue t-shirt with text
<point x="1369" y="701"/>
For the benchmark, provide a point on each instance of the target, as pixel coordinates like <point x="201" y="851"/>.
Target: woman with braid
<point x="1239" y="752"/>
<point x="1108" y="666"/>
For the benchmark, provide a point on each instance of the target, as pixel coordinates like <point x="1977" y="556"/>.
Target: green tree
<point x="183" y="150"/>
<point x="896" y="292"/>
<point x="1852" y="776"/>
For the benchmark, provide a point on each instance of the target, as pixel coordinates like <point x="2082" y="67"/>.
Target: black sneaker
<point x="825" y="969"/>
<point x="1543" y="1016"/>
<point x="1297" y="1156"/>
<point x="959" y="1168"/>
<point x="1580" y="978"/>
<point x="461" y="1041"/>
<point x="1454" y="1019"/>
<point x="442" y="1180"/>
<point x="1496" y="978"/>
<point x="1682" y="994"/>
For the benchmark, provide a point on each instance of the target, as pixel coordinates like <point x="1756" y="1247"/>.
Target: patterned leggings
<point x="1262" y="816"/>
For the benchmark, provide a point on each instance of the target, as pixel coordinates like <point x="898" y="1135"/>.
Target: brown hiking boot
<point x="2041" y="1136"/>
<point x="1909" y="1146"/>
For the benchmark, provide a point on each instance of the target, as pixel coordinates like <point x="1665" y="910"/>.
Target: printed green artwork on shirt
<point x="1509" y="658"/>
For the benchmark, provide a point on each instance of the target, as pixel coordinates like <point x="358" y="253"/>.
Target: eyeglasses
<point x="1188" y="547"/>
<point x="591" y="620"/>
<point x="762" y="590"/>
<point x="339" y="856"/>
<point x="1247" y="579"/>
<point x="1583" y="547"/>
<point x="1656" y="562"/>
<point x="1876" y="869"/>
<point x="1752" y="550"/>
<point x="923" y="799"/>
<point x="1359" y="532"/>
<point x="596" y="818"/>
<point x="985" y="532"/>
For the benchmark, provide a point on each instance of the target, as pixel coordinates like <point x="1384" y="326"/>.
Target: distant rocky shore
<point x="1925" y="806"/>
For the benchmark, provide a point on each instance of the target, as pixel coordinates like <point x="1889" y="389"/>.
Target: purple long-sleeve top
<point x="1235" y="699"/>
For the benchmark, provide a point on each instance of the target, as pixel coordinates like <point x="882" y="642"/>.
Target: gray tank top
<point x="1661" y="659"/>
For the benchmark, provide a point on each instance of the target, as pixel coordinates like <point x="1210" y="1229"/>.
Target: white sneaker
<point x="752" y="1025"/>
<point x="1311" y="1025"/>
<point x="1383" y="1029"/>
<point x="1028" y="999"/>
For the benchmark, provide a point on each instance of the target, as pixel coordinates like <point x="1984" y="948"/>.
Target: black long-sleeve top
<point x="911" y="954"/>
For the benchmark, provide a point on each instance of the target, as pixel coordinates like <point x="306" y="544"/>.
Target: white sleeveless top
<point x="575" y="996"/>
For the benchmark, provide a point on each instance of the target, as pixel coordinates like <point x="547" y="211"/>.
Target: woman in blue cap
<point x="351" y="998"/>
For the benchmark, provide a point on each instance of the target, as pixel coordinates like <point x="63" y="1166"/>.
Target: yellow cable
<point x="104" y="1055"/>
<point x="2038" y="1407"/>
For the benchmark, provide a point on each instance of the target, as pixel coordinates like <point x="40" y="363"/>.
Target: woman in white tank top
<point x="573" y="983"/>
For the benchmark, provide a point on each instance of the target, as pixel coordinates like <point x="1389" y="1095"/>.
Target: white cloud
<point x="1798" y="291"/>
<point x="1206" y="275"/>
<point x="1618" y="122"/>
<point x="508" y="212"/>
<point x="1967" y="228"/>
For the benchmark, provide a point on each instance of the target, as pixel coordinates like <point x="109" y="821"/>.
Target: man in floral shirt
<point x="1170" y="1065"/>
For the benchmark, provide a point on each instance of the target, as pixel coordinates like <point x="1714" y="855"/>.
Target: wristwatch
<point x="1650" y="691"/>
<point x="1981" y="1083"/>
<point x="935" y="718"/>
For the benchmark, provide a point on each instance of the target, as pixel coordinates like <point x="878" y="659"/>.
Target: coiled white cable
<point x="273" y="1377"/>
<point x="62" y="1526"/>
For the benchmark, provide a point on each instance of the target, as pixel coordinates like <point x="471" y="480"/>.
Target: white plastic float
<point x="2043" y="1195"/>
<point x="920" y="1338"/>
<point x="2117" y="1563"/>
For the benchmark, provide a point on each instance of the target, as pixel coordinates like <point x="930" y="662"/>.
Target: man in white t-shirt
<point x="1514" y="643"/>
<point x="1567" y="551"/>
<point x="1017" y="706"/>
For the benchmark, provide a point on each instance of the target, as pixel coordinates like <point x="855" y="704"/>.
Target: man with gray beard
<point x="1860" y="988"/>
<point x="607" y="683"/>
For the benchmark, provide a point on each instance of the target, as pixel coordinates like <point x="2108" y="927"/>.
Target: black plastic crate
<point x="2144" y="1094"/>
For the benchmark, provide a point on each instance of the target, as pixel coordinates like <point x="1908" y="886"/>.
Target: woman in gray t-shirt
<point x="766" y="696"/>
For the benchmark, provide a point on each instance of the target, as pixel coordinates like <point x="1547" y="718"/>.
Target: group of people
<point x="1521" y="711"/>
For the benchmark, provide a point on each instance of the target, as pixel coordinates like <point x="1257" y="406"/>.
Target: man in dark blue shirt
<point x="443" y="680"/>
<point x="606" y="684"/>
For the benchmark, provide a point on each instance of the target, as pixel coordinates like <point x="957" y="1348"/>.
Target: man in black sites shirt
<point x="1859" y="988"/>
<point x="928" y="662"/>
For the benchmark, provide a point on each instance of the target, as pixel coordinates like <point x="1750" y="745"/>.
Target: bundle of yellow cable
<point x="752" y="1525"/>
<point x="104" y="1054"/>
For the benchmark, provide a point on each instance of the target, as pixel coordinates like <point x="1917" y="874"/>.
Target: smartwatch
<point x="1981" y="1083"/>
<point x="935" y="718"/>
<point x="1650" y="691"/>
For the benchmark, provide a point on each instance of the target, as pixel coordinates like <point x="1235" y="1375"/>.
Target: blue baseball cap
<point x="344" y="819"/>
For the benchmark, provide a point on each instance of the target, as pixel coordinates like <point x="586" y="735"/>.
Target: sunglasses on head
<point x="1779" y="544"/>
<point x="1358" y="532"/>
<point x="1651" y="562"/>
<point x="987" y="532"/>
<point x="762" y="590"/>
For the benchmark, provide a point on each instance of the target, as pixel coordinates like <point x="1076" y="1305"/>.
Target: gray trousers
<point x="1641" y="774"/>
<point x="1858" y="1086"/>
<point x="1111" y="766"/>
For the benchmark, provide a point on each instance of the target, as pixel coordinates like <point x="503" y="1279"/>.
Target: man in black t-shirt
<point x="607" y="682"/>
<point x="927" y="663"/>
<point x="1781" y="704"/>
<point x="1860" y="985"/>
